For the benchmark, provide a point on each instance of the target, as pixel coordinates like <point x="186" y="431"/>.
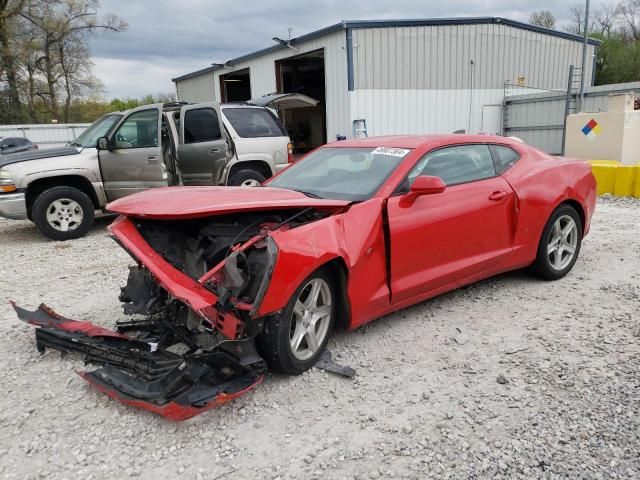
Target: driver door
<point x="133" y="163"/>
<point x="444" y="237"/>
<point x="202" y="146"/>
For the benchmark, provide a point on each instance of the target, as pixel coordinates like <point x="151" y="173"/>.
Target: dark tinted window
<point x="454" y="165"/>
<point x="503" y="157"/>
<point x="254" y="122"/>
<point x="201" y="125"/>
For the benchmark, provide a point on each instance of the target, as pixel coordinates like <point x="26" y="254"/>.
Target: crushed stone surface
<point x="512" y="377"/>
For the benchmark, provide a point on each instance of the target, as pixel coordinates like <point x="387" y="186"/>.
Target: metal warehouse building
<point x="400" y="76"/>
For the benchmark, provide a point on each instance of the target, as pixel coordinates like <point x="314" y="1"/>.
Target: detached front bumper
<point x="13" y="206"/>
<point x="140" y="374"/>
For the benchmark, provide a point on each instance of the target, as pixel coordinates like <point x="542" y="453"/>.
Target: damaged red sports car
<point x="228" y="278"/>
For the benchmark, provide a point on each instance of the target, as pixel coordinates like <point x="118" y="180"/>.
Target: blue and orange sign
<point x="592" y="129"/>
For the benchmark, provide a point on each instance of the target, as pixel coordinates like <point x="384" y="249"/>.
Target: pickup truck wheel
<point x="63" y="213"/>
<point x="292" y="340"/>
<point x="246" y="178"/>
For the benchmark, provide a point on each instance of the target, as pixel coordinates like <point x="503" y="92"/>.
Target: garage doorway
<point x="304" y="74"/>
<point x="235" y="86"/>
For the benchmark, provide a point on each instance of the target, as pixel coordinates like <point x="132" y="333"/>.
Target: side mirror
<point x="423" y="185"/>
<point x="103" y="144"/>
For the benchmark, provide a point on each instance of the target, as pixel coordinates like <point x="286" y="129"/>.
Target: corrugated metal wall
<point x="538" y="118"/>
<point x="421" y="79"/>
<point x="439" y="57"/>
<point x="45" y="135"/>
<point x="196" y="89"/>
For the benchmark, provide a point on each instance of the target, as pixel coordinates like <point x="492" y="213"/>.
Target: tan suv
<point x="151" y="146"/>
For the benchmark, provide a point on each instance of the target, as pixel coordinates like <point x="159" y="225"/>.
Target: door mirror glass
<point x="102" y="143"/>
<point x="423" y="185"/>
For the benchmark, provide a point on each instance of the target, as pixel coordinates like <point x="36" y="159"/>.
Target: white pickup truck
<point x="151" y="146"/>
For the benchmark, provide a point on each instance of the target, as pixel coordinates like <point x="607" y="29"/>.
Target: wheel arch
<point x="338" y="269"/>
<point x="261" y="166"/>
<point x="577" y="206"/>
<point x="79" y="182"/>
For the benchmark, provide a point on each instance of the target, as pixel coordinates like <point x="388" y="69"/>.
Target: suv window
<point x="503" y="157"/>
<point x="201" y="125"/>
<point x="139" y="130"/>
<point x="455" y="165"/>
<point x="254" y="122"/>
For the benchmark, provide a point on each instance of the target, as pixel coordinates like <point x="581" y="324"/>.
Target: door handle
<point x="497" y="196"/>
<point x="153" y="159"/>
<point x="214" y="151"/>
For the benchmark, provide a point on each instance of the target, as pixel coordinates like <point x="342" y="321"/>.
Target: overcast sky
<point x="168" y="38"/>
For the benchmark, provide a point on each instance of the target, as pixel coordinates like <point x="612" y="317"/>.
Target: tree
<point x="629" y="14"/>
<point x="9" y="11"/>
<point x="543" y="18"/>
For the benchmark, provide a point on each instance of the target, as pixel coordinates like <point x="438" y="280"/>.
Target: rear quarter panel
<point x="542" y="182"/>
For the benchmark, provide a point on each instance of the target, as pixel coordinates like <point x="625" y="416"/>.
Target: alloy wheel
<point x="563" y="242"/>
<point x="250" y="182"/>
<point x="64" y="214"/>
<point x="310" y="319"/>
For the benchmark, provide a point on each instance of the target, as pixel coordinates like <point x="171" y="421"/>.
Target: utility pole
<point x="584" y="55"/>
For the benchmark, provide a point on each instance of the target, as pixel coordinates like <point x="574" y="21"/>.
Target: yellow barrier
<point x="616" y="178"/>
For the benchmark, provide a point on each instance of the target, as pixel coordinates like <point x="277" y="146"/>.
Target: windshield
<point x="341" y="173"/>
<point x="97" y="129"/>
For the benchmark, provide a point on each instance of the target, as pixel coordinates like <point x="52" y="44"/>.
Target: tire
<point x="246" y="178"/>
<point x="279" y="332"/>
<point x="63" y="207"/>
<point x="558" y="251"/>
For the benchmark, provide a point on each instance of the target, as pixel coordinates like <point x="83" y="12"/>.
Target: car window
<point x="201" y="125"/>
<point x="341" y="173"/>
<point x="99" y="128"/>
<point x="139" y="130"/>
<point x="21" y="142"/>
<point x="10" y="143"/>
<point x="254" y="122"/>
<point x="455" y="165"/>
<point x="503" y="157"/>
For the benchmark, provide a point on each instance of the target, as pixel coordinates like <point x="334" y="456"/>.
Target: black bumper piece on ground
<point x="137" y="373"/>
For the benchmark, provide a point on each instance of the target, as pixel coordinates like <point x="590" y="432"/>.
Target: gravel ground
<point x="511" y="377"/>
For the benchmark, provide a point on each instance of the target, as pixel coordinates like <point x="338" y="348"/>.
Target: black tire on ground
<point x="80" y="208"/>
<point x="242" y="176"/>
<point x="274" y="341"/>
<point x="543" y="267"/>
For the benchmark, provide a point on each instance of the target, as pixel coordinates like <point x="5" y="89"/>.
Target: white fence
<point x="45" y="135"/>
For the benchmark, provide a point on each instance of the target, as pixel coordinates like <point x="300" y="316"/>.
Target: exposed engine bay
<point x="185" y="349"/>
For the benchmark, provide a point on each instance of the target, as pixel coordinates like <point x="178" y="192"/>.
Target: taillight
<point x="290" y="152"/>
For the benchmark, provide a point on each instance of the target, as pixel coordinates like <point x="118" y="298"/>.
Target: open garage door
<point x="235" y="86"/>
<point x="304" y="74"/>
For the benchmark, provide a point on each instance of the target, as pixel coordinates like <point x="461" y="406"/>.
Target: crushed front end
<point x="193" y="297"/>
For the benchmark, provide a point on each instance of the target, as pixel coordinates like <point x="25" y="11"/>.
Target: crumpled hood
<point x="194" y="202"/>
<point x="37" y="155"/>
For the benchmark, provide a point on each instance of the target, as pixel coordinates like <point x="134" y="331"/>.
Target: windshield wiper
<point x="308" y="194"/>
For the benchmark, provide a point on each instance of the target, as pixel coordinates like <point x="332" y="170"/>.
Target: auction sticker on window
<point x="394" y="152"/>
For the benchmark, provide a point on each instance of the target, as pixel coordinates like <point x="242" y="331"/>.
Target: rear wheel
<point x="246" y="178"/>
<point x="63" y="213"/>
<point x="560" y="244"/>
<point x="292" y="340"/>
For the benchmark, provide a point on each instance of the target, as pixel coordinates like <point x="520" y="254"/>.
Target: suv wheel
<point x="246" y="178"/>
<point x="63" y="213"/>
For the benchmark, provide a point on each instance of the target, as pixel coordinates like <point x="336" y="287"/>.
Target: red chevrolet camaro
<point x="352" y="231"/>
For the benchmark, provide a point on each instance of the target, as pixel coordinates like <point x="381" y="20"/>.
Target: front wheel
<point x="560" y="244"/>
<point x="246" y="178"/>
<point x="63" y="213"/>
<point x="292" y="340"/>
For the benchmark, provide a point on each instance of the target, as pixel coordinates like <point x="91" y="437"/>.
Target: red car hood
<point x="194" y="202"/>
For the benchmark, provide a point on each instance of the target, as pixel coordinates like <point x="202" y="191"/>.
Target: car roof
<point x="418" y="141"/>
